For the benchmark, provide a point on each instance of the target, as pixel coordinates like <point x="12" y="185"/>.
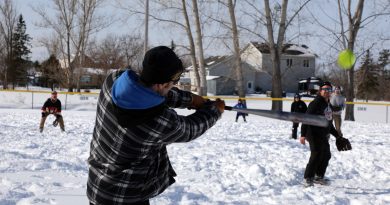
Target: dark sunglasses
<point x="327" y="89"/>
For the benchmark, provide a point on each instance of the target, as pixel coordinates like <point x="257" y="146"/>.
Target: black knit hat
<point x="161" y="65"/>
<point x="326" y="83"/>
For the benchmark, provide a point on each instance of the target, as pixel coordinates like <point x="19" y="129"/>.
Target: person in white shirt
<point x="338" y="103"/>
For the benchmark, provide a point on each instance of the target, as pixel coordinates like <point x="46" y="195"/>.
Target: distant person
<point x="318" y="138"/>
<point x="338" y="104"/>
<point x="135" y="121"/>
<point x="297" y="106"/>
<point x="52" y="106"/>
<point x="240" y="105"/>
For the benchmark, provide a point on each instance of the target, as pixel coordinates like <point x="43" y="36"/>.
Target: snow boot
<point x="321" y="180"/>
<point x="308" y="182"/>
<point x="294" y="133"/>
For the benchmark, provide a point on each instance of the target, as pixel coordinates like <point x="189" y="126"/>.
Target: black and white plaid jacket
<point x="128" y="158"/>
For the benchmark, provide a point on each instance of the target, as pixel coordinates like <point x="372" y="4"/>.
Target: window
<point x="289" y="62"/>
<point x="306" y="63"/>
<point x="249" y="85"/>
<point x="85" y="79"/>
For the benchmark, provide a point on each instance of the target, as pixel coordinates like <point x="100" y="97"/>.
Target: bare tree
<point x="141" y="9"/>
<point x="88" y="23"/>
<point x="199" y="43"/>
<point x="52" y="44"/>
<point x="146" y="34"/>
<point x="276" y="50"/>
<point x="116" y="52"/>
<point x="237" y="53"/>
<point x="107" y="53"/>
<point x="345" y="36"/>
<point x="74" y="22"/>
<point x="63" y="25"/>
<point x="132" y="47"/>
<point x="8" y="19"/>
<point x="192" y="50"/>
<point x="276" y="47"/>
<point x="349" y="42"/>
<point x="167" y="13"/>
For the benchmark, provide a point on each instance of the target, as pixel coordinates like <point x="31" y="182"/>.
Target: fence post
<point x="66" y="99"/>
<point x="32" y="100"/>
<point x="387" y="113"/>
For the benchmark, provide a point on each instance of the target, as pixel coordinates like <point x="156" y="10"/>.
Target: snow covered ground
<point x="232" y="163"/>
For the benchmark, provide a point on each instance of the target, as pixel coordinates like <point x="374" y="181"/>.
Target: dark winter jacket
<point x="128" y="157"/>
<point x="241" y="106"/>
<point x="51" y="106"/>
<point x="319" y="106"/>
<point x="298" y="106"/>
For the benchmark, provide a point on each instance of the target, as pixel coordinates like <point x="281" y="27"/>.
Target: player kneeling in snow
<point x="52" y="106"/>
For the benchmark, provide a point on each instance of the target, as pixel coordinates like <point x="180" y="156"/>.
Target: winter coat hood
<point x="128" y="93"/>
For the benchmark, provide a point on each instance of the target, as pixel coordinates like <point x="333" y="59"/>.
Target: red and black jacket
<point x="52" y="106"/>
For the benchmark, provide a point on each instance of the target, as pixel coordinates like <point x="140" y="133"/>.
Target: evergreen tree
<point x="384" y="75"/>
<point x="20" y="53"/>
<point x="367" y="78"/>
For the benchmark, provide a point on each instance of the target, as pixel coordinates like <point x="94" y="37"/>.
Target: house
<point x="88" y="76"/>
<point x="297" y="62"/>
<point x="219" y="75"/>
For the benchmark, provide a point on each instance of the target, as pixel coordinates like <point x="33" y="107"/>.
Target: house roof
<point x="211" y="61"/>
<point x="288" y="49"/>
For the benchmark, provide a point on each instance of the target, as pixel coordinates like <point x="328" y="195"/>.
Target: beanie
<point x="326" y="83"/>
<point x="161" y="65"/>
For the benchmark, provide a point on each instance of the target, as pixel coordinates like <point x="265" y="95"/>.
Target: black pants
<point x="241" y="114"/>
<point x="319" y="157"/>
<point x="294" y="130"/>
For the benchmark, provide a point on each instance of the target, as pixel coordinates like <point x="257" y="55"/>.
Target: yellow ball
<point x="346" y="59"/>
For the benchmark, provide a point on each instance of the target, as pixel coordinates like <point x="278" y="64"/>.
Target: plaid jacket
<point x="128" y="157"/>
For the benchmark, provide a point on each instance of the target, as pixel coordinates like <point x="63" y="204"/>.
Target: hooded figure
<point x="297" y="106"/>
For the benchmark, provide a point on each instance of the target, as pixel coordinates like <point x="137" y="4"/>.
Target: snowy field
<point x="232" y="163"/>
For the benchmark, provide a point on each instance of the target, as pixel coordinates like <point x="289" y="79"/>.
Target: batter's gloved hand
<point x="220" y="104"/>
<point x="197" y="101"/>
<point x="343" y="144"/>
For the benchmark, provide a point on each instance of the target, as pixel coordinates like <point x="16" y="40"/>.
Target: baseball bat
<point x="308" y="119"/>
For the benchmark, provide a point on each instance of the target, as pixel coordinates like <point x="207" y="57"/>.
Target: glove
<point x="197" y="101"/>
<point x="55" y="122"/>
<point x="220" y="104"/>
<point x="343" y="144"/>
<point x="45" y="114"/>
